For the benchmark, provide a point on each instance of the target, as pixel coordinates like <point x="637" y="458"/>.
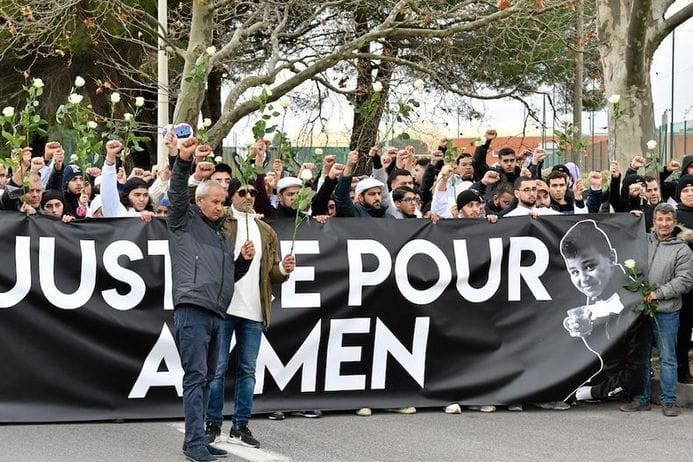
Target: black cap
<point x="465" y="197"/>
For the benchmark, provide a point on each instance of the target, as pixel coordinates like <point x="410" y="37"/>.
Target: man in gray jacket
<point x="204" y="274"/>
<point x="671" y="269"/>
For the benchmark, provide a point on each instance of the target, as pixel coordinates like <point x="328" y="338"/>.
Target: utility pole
<point x="579" y="72"/>
<point x="162" y="82"/>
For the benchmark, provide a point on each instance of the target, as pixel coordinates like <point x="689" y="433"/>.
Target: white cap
<point x="98" y="180"/>
<point x="287" y="182"/>
<point x="368" y="183"/>
<point x="95" y="205"/>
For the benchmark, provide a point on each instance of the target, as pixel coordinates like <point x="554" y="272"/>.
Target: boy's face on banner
<point x="590" y="271"/>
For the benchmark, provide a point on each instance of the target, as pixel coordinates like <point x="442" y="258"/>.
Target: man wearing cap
<point x="287" y="188"/>
<point x="52" y="205"/>
<point x="368" y="194"/>
<point x="526" y="195"/>
<point x="72" y="184"/>
<point x="204" y="273"/>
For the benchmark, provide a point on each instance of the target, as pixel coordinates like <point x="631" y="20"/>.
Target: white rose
<point x="480" y="141"/>
<point x="630" y="263"/>
<point x="139" y="101"/>
<point x="38" y="83"/>
<point x="377" y="87"/>
<point x="115" y="98"/>
<point x="318" y="152"/>
<point x="8" y="111"/>
<point x="285" y="102"/>
<point x="79" y="82"/>
<point x="566" y="120"/>
<point x="218" y="160"/>
<point x="211" y="50"/>
<point x="306" y="175"/>
<point x="266" y="90"/>
<point x="207" y="122"/>
<point x="127" y="116"/>
<point x="75" y="98"/>
<point x="74" y="158"/>
<point x="614" y="99"/>
<point x="651" y="145"/>
<point x="35" y="103"/>
<point x="419" y="84"/>
<point x="91" y="124"/>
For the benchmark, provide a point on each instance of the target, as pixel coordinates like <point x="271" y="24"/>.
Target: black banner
<point x="379" y="313"/>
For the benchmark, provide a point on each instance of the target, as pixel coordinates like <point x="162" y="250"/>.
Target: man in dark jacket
<point x="684" y="193"/>
<point x="369" y="194"/>
<point x="204" y="274"/>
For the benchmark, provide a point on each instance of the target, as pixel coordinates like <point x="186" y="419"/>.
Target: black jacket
<point x="204" y="272"/>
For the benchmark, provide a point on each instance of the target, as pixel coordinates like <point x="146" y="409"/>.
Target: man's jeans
<point x="663" y="332"/>
<point x="248" y="335"/>
<point x="197" y="339"/>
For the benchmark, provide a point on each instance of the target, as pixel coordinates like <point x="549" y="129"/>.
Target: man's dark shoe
<point x="687" y="379"/>
<point x="211" y="432"/>
<point x="242" y="435"/>
<point x="635" y="406"/>
<point x="670" y="410"/>
<point x="276" y="415"/>
<point x="312" y="414"/>
<point x="212" y="450"/>
<point x="199" y="454"/>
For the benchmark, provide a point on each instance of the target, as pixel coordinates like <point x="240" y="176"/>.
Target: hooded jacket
<point x="671" y="268"/>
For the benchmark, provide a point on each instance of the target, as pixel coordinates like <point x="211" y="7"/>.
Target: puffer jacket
<point x="203" y="269"/>
<point x="671" y="268"/>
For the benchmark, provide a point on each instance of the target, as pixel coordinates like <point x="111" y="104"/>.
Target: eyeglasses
<point x="528" y="190"/>
<point x="409" y="199"/>
<point x="244" y="192"/>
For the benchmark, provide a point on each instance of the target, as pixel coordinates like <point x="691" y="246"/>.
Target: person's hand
<point x="203" y="151"/>
<point x="248" y="250"/>
<point x="27" y="209"/>
<point x="336" y="170"/>
<point x="576" y="328"/>
<point x="113" y="148"/>
<point x="578" y="189"/>
<point x="203" y="170"/>
<point x="307" y="166"/>
<point x="136" y="173"/>
<point x="595" y="179"/>
<point x="490" y="134"/>
<point x="171" y="142"/>
<point x="258" y="152"/>
<point x="68" y="218"/>
<point x="615" y="169"/>
<point x="673" y="166"/>
<point x="50" y="149"/>
<point x="352" y="159"/>
<point x="289" y="263"/>
<point x="187" y="148"/>
<point x="147" y="216"/>
<point x="637" y="162"/>
<point x="94" y="172"/>
<point x="443" y="142"/>
<point x="387" y="160"/>
<point x="322" y="219"/>
<point x="83" y="200"/>
<point x="446" y="172"/>
<point x="533" y="213"/>
<point x="636" y="213"/>
<point x="278" y="167"/>
<point x="490" y="177"/>
<point x="26" y="157"/>
<point x="538" y="156"/>
<point x="651" y="297"/>
<point x="374" y="151"/>
<point x="525" y="172"/>
<point x="58" y="158"/>
<point x="432" y="217"/>
<point x="492" y="218"/>
<point x="121" y="176"/>
<point x="164" y="173"/>
<point x="327" y="163"/>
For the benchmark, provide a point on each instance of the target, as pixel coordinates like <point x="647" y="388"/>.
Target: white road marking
<point x="244" y="452"/>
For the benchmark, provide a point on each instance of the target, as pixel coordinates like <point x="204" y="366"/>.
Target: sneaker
<point x="364" y="412"/>
<point x="515" y="408"/>
<point x="403" y="410"/>
<point x="487" y="408"/>
<point x="242" y="435"/>
<point x="212" y="432"/>
<point x="554" y="405"/>
<point x="199" y="454"/>
<point x="276" y="415"/>
<point x="453" y="408"/>
<point x="635" y="406"/>
<point x="313" y="414"/>
<point x="670" y="410"/>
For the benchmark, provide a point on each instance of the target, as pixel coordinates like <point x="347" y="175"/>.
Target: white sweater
<point x="245" y="302"/>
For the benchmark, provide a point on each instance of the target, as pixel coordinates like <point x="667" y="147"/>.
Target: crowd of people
<point x="212" y="214"/>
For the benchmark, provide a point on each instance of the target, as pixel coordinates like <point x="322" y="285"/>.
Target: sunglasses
<point x="244" y="192"/>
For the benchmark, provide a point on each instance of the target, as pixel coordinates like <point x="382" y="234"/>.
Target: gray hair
<point x="666" y="209"/>
<point x="204" y="188"/>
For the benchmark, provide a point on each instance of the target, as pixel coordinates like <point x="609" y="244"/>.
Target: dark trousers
<point x="197" y="339"/>
<point x="683" y="344"/>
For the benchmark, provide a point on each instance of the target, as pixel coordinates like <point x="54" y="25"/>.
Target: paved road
<point x="583" y="433"/>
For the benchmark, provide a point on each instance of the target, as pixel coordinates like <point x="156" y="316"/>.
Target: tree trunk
<point x="626" y="59"/>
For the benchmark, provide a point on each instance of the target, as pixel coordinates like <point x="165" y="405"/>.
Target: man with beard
<point x="247" y="315"/>
<point x="368" y="194"/>
<point x="72" y="191"/>
<point x="525" y="190"/>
